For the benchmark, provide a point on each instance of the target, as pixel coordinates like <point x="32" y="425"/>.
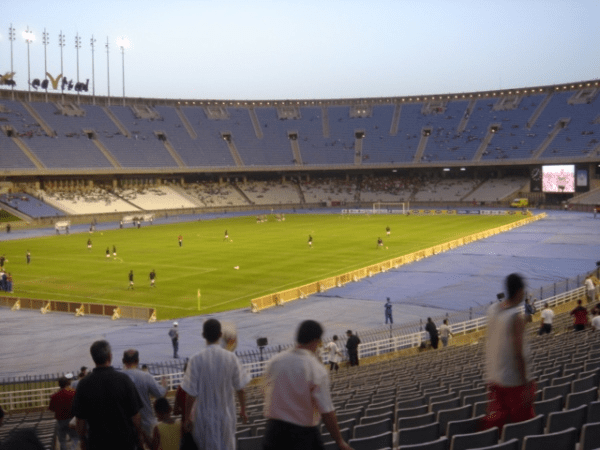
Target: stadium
<point x="132" y="174"/>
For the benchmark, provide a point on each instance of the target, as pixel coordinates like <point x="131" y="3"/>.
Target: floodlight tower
<point x="107" y="70"/>
<point x="77" y="47"/>
<point x="46" y="41"/>
<point x="61" y="44"/>
<point x="123" y="43"/>
<point x="92" y="41"/>
<point x="29" y="38"/>
<point x="11" y="38"/>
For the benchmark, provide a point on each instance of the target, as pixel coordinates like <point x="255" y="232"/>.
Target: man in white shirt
<point x="547" y="318"/>
<point x="510" y="391"/>
<point x="596" y="321"/>
<point x="334" y="353"/>
<point x="212" y="379"/>
<point x="590" y="289"/>
<point x="297" y="396"/>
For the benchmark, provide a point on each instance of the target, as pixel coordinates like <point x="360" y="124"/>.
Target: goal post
<point x="387" y="207"/>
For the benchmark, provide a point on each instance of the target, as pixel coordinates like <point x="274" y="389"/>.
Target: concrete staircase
<point x="25" y="149"/>
<point x="421" y="147"/>
<point x="124" y="131"/>
<point x="174" y="154"/>
<point x="296" y="152"/>
<point x="186" y="123"/>
<point x="255" y="124"/>
<point x="538" y="111"/>
<point x="325" y="121"/>
<point x="396" y="120"/>
<point x="47" y="129"/>
<point x="486" y="141"/>
<point x="558" y="127"/>
<point x="465" y="119"/>
<point x="106" y="152"/>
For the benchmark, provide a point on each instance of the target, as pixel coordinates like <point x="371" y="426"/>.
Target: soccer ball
<point x="386" y="248"/>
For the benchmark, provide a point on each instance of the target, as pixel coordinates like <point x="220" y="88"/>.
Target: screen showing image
<point x="558" y="178"/>
<point x="582" y="178"/>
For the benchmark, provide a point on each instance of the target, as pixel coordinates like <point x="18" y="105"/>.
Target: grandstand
<point x="76" y="158"/>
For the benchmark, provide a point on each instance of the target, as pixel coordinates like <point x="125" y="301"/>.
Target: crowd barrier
<point x="80" y="309"/>
<point x="279" y="298"/>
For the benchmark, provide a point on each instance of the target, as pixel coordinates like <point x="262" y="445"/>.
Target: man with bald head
<point x="146" y="386"/>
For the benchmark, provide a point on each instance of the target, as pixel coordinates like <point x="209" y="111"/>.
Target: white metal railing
<point x="33" y="398"/>
<point x="396" y="343"/>
<point x="40" y="397"/>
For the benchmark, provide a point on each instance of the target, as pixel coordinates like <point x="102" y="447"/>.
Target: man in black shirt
<point x="107" y="406"/>
<point x="352" y="347"/>
<point x="433" y="333"/>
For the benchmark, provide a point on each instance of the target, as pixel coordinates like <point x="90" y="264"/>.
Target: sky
<point x="305" y="49"/>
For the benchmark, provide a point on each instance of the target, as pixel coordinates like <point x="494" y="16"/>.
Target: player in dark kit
<point x="107" y="252"/>
<point x="310" y="241"/>
<point x="89" y="244"/>
<point x="379" y="242"/>
<point x="130" y="279"/>
<point x="180" y="239"/>
<point x="152" y="277"/>
<point x="28" y="256"/>
<point x="226" y="236"/>
<point x="388" y="230"/>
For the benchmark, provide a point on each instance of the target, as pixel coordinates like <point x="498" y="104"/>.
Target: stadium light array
<point x="29" y="38"/>
<point x="123" y="43"/>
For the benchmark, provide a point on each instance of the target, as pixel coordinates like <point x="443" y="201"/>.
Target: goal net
<point x="390" y="207"/>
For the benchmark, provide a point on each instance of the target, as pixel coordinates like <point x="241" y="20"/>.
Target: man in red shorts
<point x="511" y="393"/>
<point x="580" y="317"/>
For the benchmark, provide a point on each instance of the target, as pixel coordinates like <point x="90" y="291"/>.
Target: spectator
<point x="83" y="371"/>
<point x="580" y="317"/>
<point x="335" y="355"/>
<point x="352" y="347"/>
<point x="547" y="318"/>
<point x="60" y="404"/>
<point x="529" y="311"/>
<point x="107" y="402"/>
<point x="174" y="335"/>
<point x="180" y="409"/>
<point x="297" y="396"/>
<point x="596" y="321"/>
<point x="590" y="289"/>
<point x="433" y="333"/>
<point x="167" y="433"/>
<point x="388" y="312"/>
<point x="510" y="392"/>
<point x="445" y="333"/>
<point x="146" y="386"/>
<point x="212" y="378"/>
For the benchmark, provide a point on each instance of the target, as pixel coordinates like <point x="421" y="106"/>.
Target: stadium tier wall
<point x="79" y="309"/>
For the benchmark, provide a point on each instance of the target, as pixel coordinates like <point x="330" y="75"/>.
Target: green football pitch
<point x="257" y="259"/>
